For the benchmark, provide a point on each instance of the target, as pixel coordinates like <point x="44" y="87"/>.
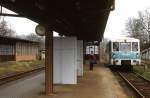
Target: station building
<point x="86" y="20"/>
<point x="15" y="49"/>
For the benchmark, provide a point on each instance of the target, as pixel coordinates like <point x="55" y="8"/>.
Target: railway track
<point x="140" y="85"/>
<point x="15" y="76"/>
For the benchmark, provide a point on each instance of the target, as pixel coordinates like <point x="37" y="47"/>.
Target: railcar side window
<point x="135" y="46"/>
<point x="115" y="46"/>
<point x="88" y="50"/>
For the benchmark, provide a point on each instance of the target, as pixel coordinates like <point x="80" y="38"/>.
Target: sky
<point x="124" y="10"/>
<point x="115" y="25"/>
<point x="20" y="25"/>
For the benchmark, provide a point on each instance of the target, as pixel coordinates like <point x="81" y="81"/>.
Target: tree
<point x="144" y="18"/>
<point x="139" y="27"/>
<point x="34" y="37"/>
<point x="103" y="50"/>
<point x="4" y="29"/>
<point x="134" y="29"/>
<point x="40" y="39"/>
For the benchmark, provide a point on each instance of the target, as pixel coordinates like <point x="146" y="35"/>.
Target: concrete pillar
<point x="99" y="52"/>
<point x="94" y="48"/>
<point x="48" y="62"/>
<point x="84" y="52"/>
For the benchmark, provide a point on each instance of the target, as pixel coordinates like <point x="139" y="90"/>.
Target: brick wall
<point x="7" y="58"/>
<point x="25" y="58"/>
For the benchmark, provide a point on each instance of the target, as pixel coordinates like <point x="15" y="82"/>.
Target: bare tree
<point x="140" y="27"/>
<point x="144" y="18"/>
<point x="134" y="28"/>
<point x="103" y="49"/>
<point x="34" y="37"/>
<point x="5" y="30"/>
<point x="40" y="39"/>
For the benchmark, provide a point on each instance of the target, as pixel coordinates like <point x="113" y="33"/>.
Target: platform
<point x="99" y="83"/>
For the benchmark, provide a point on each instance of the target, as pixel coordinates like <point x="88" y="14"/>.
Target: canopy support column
<point x="49" y="62"/>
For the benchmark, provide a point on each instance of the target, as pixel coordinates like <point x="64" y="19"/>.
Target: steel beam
<point x="49" y="62"/>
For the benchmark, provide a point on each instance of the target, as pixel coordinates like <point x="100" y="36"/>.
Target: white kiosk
<point x="68" y="60"/>
<point x="65" y="60"/>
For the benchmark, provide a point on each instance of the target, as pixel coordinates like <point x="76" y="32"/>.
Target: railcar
<point x="123" y="52"/>
<point x="89" y="48"/>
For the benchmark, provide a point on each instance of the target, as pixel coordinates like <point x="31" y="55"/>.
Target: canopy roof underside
<point x="85" y="19"/>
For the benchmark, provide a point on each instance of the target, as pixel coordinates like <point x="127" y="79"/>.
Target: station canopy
<point x="85" y="19"/>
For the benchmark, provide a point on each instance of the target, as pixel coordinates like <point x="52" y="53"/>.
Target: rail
<point x="6" y="79"/>
<point x="140" y="85"/>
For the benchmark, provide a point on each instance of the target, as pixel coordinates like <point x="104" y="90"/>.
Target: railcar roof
<point x="6" y="39"/>
<point x="122" y="39"/>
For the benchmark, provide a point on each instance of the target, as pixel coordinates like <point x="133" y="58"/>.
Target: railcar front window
<point x="115" y="46"/>
<point x="125" y="46"/>
<point x="135" y="46"/>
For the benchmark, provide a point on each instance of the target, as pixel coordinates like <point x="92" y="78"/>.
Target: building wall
<point x="7" y="58"/>
<point x="26" y="51"/>
<point x="7" y="52"/>
<point x="13" y="49"/>
<point x="26" y="57"/>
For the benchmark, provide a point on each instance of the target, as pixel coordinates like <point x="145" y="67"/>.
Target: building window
<point x="6" y="49"/>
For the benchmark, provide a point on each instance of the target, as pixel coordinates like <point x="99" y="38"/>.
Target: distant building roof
<point x="7" y="39"/>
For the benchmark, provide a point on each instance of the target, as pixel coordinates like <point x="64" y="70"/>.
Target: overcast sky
<point x="124" y="10"/>
<point x="115" y="25"/>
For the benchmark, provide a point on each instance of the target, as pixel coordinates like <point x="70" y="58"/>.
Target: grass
<point x="13" y="67"/>
<point x="144" y="72"/>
